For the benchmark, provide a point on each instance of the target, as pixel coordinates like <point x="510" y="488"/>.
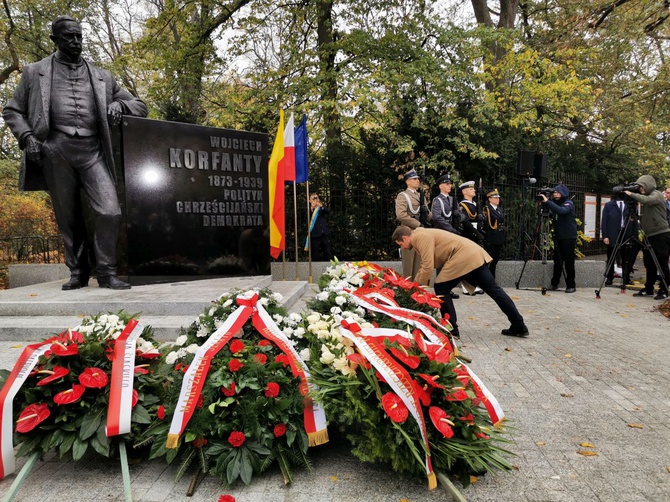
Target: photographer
<point x="654" y="224"/>
<point x="565" y="235"/>
<point x="411" y="210"/>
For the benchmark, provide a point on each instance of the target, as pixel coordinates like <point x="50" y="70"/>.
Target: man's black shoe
<point x="570" y="290"/>
<point x="112" y="282"/>
<point x="456" y="334"/>
<point x="643" y="293"/>
<point x="520" y="332"/>
<point x="608" y="283"/>
<point x="661" y="296"/>
<point x="553" y="288"/>
<point x="75" y="282"/>
<point x="453" y="295"/>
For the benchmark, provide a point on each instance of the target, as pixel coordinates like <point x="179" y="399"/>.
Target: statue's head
<point x="66" y="34"/>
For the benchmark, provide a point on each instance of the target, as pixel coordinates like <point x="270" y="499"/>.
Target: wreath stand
<point x="30" y="463"/>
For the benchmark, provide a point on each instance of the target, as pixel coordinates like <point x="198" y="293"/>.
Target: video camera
<point x="546" y="191"/>
<point x="619" y="189"/>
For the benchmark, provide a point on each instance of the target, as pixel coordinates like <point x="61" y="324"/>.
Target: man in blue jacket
<point x="565" y="237"/>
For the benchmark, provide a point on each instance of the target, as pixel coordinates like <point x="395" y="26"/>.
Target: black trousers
<point x="483" y="278"/>
<point x="660" y="244"/>
<point x="494" y="250"/>
<point x="73" y="163"/>
<point x="321" y="248"/>
<point x="564" y="257"/>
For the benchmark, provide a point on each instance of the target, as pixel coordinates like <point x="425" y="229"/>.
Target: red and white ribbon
<point x="489" y="401"/>
<point x="120" y="406"/>
<point x="17" y="377"/>
<point x="398" y="379"/>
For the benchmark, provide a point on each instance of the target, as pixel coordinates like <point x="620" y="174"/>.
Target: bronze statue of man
<point x="61" y="114"/>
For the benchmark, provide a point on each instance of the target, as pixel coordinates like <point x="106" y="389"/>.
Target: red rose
<point x="235" y="365"/>
<point x="264" y="343"/>
<point x="261" y="358"/>
<point x="160" y="413"/>
<point x="236" y="346"/>
<point x="199" y="442"/>
<point x="229" y="391"/>
<point x="237" y="439"/>
<point x="226" y="498"/>
<point x="272" y="390"/>
<point x="282" y="358"/>
<point x="280" y="430"/>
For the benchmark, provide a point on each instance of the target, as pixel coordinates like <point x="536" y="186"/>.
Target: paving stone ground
<point x="593" y="371"/>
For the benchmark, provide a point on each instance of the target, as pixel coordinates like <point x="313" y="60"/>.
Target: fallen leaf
<point x="637" y="408"/>
<point x="625" y="315"/>
<point x="472" y="318"/>
<point x="568" y="356"/>
<point x="333" y="478"/>
<point x="473" y="479"/>
<point x="587" y="453"/>
<point x="507" y="349"/>
<point x="515" y="467"/>
<point x="33" y="294"/>
<point x="667" y="469"/>
<point x="540" y="443"/>
<point x="636" y="426"/>
<point x="555" y="477"/>
<point x="563" y="394"/>
<point x="404" y="500"/>
<point x="632" y="306"/>
<point x="16" y="346"/>
<point x="578" y="331"/>
<point x="587" y="445"/>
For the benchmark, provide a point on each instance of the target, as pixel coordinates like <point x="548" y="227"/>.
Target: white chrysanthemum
<point x="227" y="303"/>
<point x="277" y="297"/>
<point x="295" y="317"/>
<point x="193" y="348"/>
<point x="181" y="340"/>
<point x="171" y="358"/>
<point x="203" y="330"/>
<point x="327" y="357"/>
<point x="287" y="331"/>
<point x="264" y="301"/>
<point x="85" y="329"/>
<point x="278" y="318"/>
<point x="323" y="296"/>
<point x="304" y="354"/>
<point x="360" y="311"/>
<point x="211" y="311"/>
<point x="335" y="310"/>
<point x="341" y="364"/>
<point x="313" y="318"/>
<point x="340" y="300"/>
<point x="299" y="332"/>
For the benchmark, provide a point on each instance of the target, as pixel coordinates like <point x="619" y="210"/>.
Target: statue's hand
<point x="34" y="149"/>
<point x="115" y="113"/>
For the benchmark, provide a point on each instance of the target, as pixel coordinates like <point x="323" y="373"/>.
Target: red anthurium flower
<point x="261" y="358"/>
<point x="431" y="380"/>
<point x="422" y="394"/>
<point x="469" y="419"/>
<point x="400" y="340"/>
<point x="439" y="353"/>
<point x="380" y="377"/>
<point x="229" y="391"/>
<point x="390" y="293"/>
<point x="237" y="439"/>
<point x="481" y="435"/>
<point x="427" y="298"/>
<point x="135" y="399"/>
<point x="441" y="421"/>
<point x="141" y="369"/>
<point x="394" y="407"/>
<point x="52" y="375"/>
<point x="199" y="442"/>
<point x="160" y="412"/>
<point x="70" y="336"/>
<point x="358" y="360"/>
<point x="272" y="390"/>
<point x="152" y="354"/>
<point x="279" y="430"/>
<point x="235" y="365"/>
<point x="463" y="375"/>
<point x="406" y="359"/>
<point x="391" y="277"/>
<point x="445" y="320"/>
<point x="64" y="350"/>
<point x="283" y="358"/>
<point x="459" y="395"/>
<point x="226" y="498"/>
<point x="93" y="378"/>
<point x="236" y="346"/>
<point x="420" y="340"/>
<point x="31" y="416"/>
<point x="70" y="396"/>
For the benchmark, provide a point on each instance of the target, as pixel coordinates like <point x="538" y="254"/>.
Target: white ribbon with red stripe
<point x="491" y="404"/>
<point x="17" y="377"/>
<point x="397" y="378"/>
<point x="120" y="406"/>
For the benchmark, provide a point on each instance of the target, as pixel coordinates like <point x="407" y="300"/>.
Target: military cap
<point x="445" y="178"/>
<point x="467" y="184"/>
<point x="493" y="193"/>
<point x="410" y="175"/>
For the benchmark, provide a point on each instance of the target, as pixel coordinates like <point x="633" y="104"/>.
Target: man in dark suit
<point x="318" y="230"/>
<point x="494" y="228"/>
<point x="61" y="114"/>
<point x="615" y="219"/>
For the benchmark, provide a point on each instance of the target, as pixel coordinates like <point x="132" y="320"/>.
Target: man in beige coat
<point x="408" y="213"/>
<point x="456" y="259"/>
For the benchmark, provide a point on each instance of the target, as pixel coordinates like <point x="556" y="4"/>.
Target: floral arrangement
<point x="250" y="410"/>
<point x="64" y="400"/>
<point x="460" y="435"/>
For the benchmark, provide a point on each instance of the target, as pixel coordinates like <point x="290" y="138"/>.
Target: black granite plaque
<point x="196" y="201"/>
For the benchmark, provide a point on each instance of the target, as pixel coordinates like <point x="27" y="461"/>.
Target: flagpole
<point x="309" y="239"/>
<point x="295" y="227"/>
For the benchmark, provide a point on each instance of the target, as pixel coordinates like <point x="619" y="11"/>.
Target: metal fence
<point x="31" y="249"/>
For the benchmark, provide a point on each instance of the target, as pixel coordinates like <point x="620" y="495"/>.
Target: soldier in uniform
<point x="445" y="211"/>
<point x="472" y="219"/>
<point x="494" y="228"/>
<point x="410" y="212"/>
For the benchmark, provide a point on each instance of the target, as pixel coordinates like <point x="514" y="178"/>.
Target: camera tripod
<point x="622" y="241"/>
<point x="540" y="244"/>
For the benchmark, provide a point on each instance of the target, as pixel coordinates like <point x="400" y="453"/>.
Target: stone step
<point x="35" y="312"/>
